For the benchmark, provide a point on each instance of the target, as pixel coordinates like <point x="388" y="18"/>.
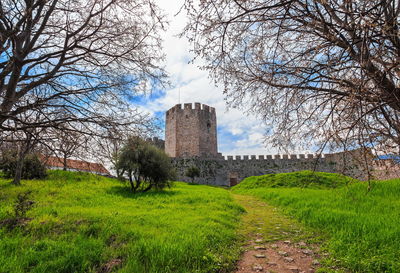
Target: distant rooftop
<point x="76" y="165"/>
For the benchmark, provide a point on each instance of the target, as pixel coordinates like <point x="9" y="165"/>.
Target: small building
<point x="56" y="163"/>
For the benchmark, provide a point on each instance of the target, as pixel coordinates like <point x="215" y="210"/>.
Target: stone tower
<point x="191" y="131"/>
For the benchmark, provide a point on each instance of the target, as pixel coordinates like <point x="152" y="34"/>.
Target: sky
<point x="238" y="133"/>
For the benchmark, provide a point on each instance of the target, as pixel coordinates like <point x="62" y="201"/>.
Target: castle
<point x="191" y="140"/>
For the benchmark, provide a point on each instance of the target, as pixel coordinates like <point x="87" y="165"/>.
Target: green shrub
<point x="145" y="165"/>
<point x="22" y="205"/>
<point x="32" y="168"/>
<point x="192" y="172"/>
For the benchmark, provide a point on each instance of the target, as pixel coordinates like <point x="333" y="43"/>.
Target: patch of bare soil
<point x="277" y="257"/>
<point x="11" y="223"/>
<point x="275" y="243"/>
<point x="110" y="266"/>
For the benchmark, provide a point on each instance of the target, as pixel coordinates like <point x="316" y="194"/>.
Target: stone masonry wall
<point x="386" y="169"/>
<point x="191" y="140"/>
<point x="225" y="171"/>
<point x="191" y="131"/>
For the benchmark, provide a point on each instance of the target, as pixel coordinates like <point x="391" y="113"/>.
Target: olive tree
<point x="145" y="165"/>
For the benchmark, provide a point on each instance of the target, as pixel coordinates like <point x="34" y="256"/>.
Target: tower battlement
<point x="189" y="106"/>
<point x="191" y="130"/>
<point x="278" y="157"/>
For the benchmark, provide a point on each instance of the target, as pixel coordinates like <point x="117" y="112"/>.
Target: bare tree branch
<point x="315" y="71"/>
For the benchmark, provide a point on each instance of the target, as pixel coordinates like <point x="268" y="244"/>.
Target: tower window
<point x="208" y="126"/>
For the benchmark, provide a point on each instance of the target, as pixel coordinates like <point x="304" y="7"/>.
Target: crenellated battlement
<point x="275" y="157"/>
<point x="190" y="107"/>
<point x="230" y="170"/>
<point x="191" y="140"/>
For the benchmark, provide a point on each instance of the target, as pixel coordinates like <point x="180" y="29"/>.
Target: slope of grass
<point x="362" y="229"/>
<point x="87" y="223"/>
<point x="304" y="179"/>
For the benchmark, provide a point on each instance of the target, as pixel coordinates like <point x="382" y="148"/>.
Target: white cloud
<point x="238" y="134"/>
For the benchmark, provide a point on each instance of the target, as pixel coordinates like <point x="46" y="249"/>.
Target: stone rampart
<point x="159" y="143"/>
<point x="274" y="157"/>
<point x="191" y="140"/>
<point x="385" y="169"/>
<point x="230" y="170"/>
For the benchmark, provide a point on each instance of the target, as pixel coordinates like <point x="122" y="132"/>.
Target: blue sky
<point x="238" y="134"/>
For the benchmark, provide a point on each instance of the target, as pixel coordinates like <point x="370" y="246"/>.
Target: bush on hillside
<point x="303" y="179"/>
<point x="145" y="165"/>
<point x="192" y="172"/>
<point x="32" y="168"/>
<point x="22" y="205"/>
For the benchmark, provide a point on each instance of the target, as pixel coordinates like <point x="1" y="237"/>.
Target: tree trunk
<point x="131" y="182"/>
<point x="137" y="180"/>
<point x="137" y="184"/>
<point x="23" y="150"/>
<point x="65" y="163"/>
<point x="18" y="170"/>
<point x="148" y="188"/>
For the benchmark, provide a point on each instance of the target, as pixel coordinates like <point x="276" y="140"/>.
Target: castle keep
<point x="191" y="131"/>
<point x="191" y="140"/>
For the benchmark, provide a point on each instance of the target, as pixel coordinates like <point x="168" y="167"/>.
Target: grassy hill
<point x="87" y="223"/>
<point x="362" y="229"/>
<point x="303" y="179"/>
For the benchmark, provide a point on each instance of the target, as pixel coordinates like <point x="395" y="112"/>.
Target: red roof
<point x="79" y="165"/>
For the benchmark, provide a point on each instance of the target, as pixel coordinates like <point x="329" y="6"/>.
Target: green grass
<point x="303" y="179"/>
<point x="82" y="222"/>
<point x="362" y="229"/>
<point x="267" y="221"/>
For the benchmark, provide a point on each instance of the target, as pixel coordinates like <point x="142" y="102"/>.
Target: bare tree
<point x="107" y="145"/>
<point x="108" y="148"/>
<point x="72" y="66"/>
<point x="66" y="142"/>
<point x="68" y="137"/>
<point x="62" y="55"/>
<point x="319" y="71"/>
<point x="23" y="141"/>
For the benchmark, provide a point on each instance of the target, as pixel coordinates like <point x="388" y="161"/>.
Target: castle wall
<point x="213" y="171"/>
<point x="386" y="169"/>
<point x="159" y="143"/>
<point x="225" y="171"/>
<point x="191" y="131"/>
<point x="191" y="140"/>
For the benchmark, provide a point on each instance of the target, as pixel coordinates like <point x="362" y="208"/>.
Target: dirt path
<point x="274" y="243"/>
